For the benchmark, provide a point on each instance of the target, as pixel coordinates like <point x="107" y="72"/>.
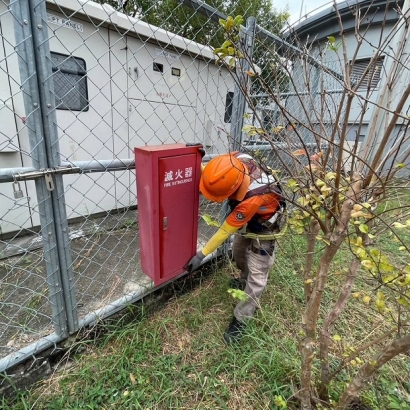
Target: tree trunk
<point x="307" y="273"/>
<point x="307" y="344"/>
<point x="353" y="390"/>
<point x="311" y="313"/>
<point x="329" y="321"/>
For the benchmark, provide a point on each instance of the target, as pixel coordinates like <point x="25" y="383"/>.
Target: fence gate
<point x="81" y="85"/>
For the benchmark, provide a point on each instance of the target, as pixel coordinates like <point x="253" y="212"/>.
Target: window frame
<point x="378" y="64"/>
<point x="81" y="74"/>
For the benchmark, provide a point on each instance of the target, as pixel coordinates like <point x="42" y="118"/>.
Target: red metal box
<point x="168" y="199"/>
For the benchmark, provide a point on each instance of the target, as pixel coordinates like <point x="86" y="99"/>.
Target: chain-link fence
<point x="81" y="85"/>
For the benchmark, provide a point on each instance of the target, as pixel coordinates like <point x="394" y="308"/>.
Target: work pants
<point x="254" y="268"/>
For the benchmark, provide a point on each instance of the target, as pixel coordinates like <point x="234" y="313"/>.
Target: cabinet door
<point x="178" y="213"/>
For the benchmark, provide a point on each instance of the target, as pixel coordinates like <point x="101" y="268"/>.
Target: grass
<point x="176" y="359"/>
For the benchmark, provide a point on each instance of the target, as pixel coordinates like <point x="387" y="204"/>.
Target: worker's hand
<point x="197" y="144"/>
<point x="195" y="262"/>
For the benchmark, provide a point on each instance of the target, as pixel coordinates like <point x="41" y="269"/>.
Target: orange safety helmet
<point x="222" y="177"/>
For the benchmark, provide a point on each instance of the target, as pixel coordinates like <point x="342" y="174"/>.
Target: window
<point x="372" y="77"/>
<point x="228" y="107"/>
<point x="159" y="68"/>
<point x="70" y="82"/>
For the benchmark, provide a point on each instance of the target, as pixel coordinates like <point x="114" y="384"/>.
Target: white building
<point x="119" y="83"/>
<point x="378" y="19"/>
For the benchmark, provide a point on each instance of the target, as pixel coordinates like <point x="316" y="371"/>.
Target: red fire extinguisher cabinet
<point x="168" y="199"/>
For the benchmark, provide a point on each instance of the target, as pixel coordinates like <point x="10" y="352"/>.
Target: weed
<point x="176" y="358"/>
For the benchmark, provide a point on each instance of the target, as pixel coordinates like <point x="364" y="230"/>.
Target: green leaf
<point x="238" y="19"/>
<point x="238" y="294"/>
<point x="280" y="402"/>
<point x="403" y="301"/>
<point x="364" y="228"/>
<point x="209" y="221"/>
<point x="293" y="185"/>
<point x="331" y="39"/>
<point x="400" y="165"/>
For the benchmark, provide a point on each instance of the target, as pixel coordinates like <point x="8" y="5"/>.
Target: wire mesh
<point x="26" y="311"/>
<point x="117" y="82"/>
<point x="123" y="75"/>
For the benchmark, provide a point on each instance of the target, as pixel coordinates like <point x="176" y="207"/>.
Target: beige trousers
<point x="254" y="269"/>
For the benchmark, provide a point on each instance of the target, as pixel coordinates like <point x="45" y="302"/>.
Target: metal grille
<point x="70" y="82"/>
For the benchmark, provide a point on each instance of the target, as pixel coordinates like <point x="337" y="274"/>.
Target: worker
<point x="254" y="199"/>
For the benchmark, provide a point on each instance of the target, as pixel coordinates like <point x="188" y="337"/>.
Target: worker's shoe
<point x="236" y="283"/>
<point x="234" y="331"/>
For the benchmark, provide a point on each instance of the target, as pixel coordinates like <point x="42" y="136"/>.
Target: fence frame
<point x="47" y="170"/>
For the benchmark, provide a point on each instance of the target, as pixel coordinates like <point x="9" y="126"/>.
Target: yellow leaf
<point x="404" y="280"/>
<point x="308" y="281"/>
<point x="303" y="201"/>
<point x="357" y="214"/>
<point x="381" y="295"/>
<point x="380" y="304"/>
<point x="403" y="301"/>
<point x="368" y="264"/>
<point x="277" y="129"/>
<point x="398" y="225"/>
<point x="366" y="299"/>
<point x="356" y="294"/>
<point x="299" y="152"/>
<point x="389" y="278"/>
<point x="402" y="248"/>
<point x="361" y="253"/>
<point x="132" y="378"/>
<point x="357" y="207"/>
<point x="338" y="338"/>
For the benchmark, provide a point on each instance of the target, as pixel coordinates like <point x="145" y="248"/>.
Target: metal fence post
<point x="246" y="43"/>
<point x="48" y="110"/>
<point x="32" y="103"/>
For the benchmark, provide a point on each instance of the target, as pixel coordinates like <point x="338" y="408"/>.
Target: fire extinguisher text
<point x="178" y="177"/>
